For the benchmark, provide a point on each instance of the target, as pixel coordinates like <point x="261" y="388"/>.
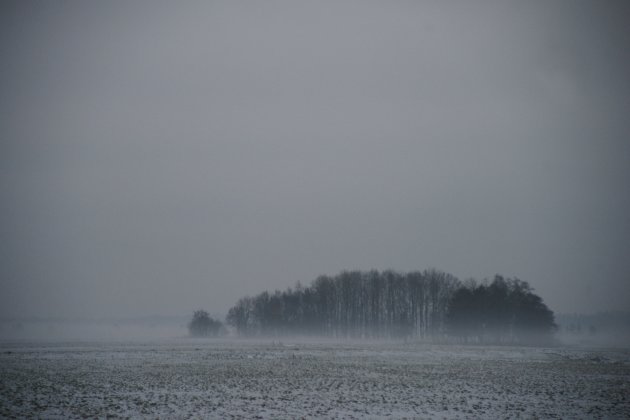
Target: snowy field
<point x="222" y="379"/>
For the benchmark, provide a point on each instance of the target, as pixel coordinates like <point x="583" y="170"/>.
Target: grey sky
<point x="156" y="158"/>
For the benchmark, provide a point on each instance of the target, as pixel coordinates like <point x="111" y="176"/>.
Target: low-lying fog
<point x="590" y="332"/>
<point x="103" y="330"/>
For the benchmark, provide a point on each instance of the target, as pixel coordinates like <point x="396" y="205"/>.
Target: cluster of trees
<point x="389" y="304"/>
<point x="351" y="304"/>
<point x="203" y="325"/>
<point x="503" y="311"/>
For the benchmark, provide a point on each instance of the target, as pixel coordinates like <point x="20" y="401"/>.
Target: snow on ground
<point x="249" y="379"/>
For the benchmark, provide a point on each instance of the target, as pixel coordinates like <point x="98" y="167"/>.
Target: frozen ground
<point x="223" y="379"/>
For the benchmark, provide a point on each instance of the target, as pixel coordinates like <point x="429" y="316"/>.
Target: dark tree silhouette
<point x="202" y="325"/>
<point x="504" y="311"/>
<point x="429" y="304"/>
<point x="351" y="304"/>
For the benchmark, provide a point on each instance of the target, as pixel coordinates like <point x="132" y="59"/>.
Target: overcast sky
<point x="157" y="158"/>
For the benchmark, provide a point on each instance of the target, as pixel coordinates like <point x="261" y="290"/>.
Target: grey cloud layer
<point x="158" y="158"/>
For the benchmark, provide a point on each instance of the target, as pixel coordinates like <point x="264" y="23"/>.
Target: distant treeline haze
<point x="372" y="304"/>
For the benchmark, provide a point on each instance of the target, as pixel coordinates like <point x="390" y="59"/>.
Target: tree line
<point x="388" y="304"/>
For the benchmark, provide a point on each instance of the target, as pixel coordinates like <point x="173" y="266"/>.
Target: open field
<point x="223" y="379"/>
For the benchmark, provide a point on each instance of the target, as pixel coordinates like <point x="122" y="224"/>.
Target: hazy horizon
<point x="158" y="158"/>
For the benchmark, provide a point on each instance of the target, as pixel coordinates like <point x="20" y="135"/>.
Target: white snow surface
<point x="189" y="378"/>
